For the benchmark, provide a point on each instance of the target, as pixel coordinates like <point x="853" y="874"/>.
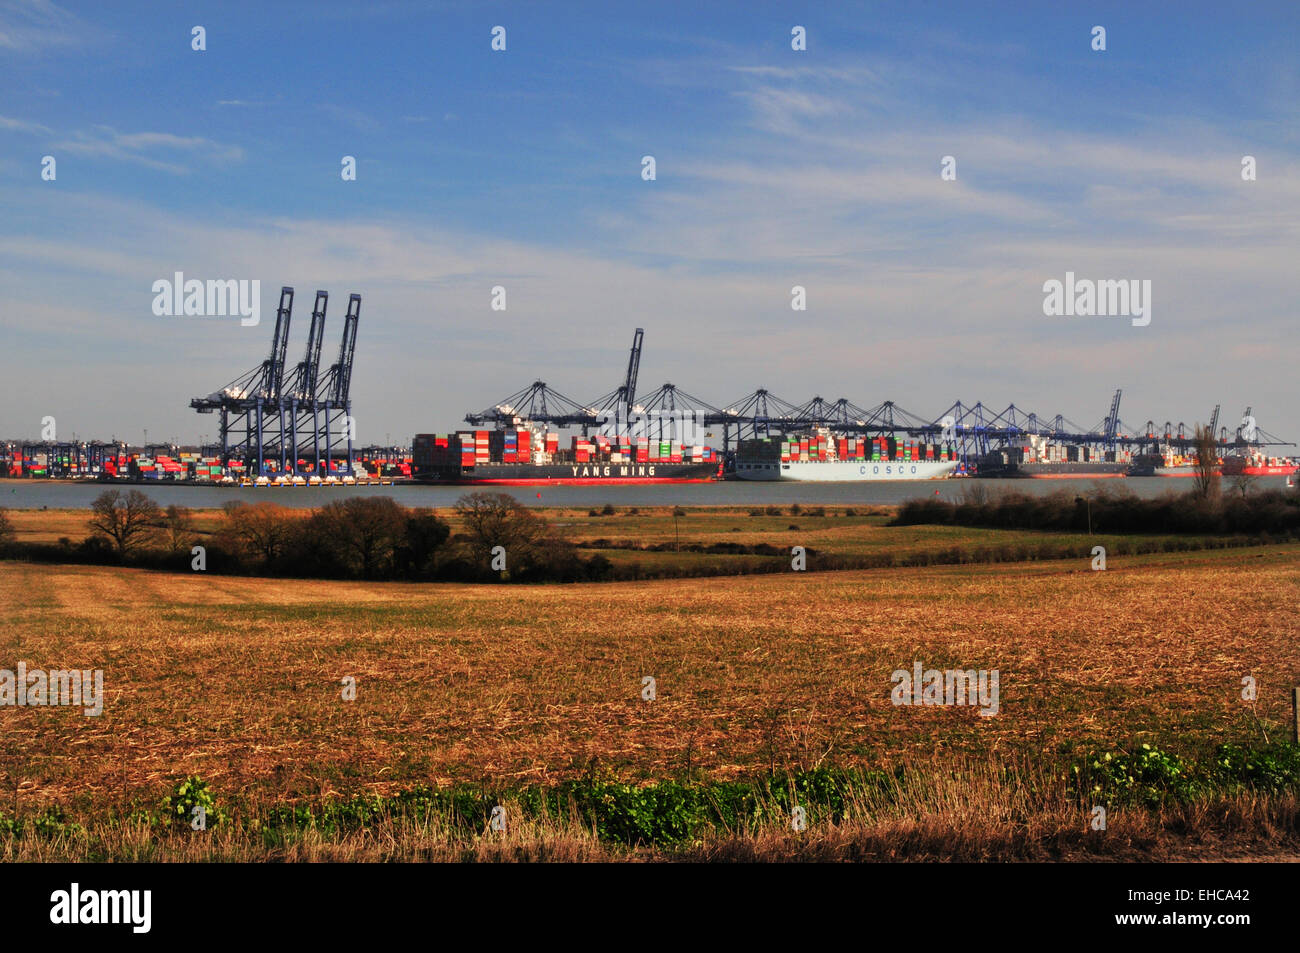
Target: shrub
<point x="599" y="567"/>
<point x="423" y="536"/>
<point x="191" y="793"/>
<point x="1147" y="776"/>
<point x="1112" y="511"/>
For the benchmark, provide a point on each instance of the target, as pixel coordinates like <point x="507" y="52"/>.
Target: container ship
<point x="1254" y="463"/>
<point x="819" y="457"/>
<point x="1045" y="460"/>
<point x="1167" y="463"/>
<point x="524" y="456"/>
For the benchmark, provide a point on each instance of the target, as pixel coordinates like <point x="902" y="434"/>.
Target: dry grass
<point x="962" y="810"/>
<point x="238" y="679"/>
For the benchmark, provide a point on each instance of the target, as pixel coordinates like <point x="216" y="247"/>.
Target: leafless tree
<point x="1244" y="484"/>
<point x="366" y="531"/>
<point x="1207" y="464"/>
<point x="262" y="529"/>
<point x="6" y="529"/>
<point x="128" y="519"/>
<point x="498" y="519"/>
<point x="178" y="523"/>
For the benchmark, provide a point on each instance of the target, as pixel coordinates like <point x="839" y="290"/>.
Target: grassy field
<point x="657" y="541"/>
<point x="238" y="679"/>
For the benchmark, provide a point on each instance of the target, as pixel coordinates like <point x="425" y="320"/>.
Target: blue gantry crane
<point x="973" y="430"/>
<point x="264" y="414"/>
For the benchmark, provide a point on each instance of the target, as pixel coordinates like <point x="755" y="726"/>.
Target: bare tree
<point x="366" y="531"/>
<point x="128" y="519"/>
<point x="263" y="529"/>
<point x="7" y="534"/>
<point x="178" y="523"/>
<point x="498" y="519"/>
<point x="1244" y="484"/>
<point x="1207" y="464"/>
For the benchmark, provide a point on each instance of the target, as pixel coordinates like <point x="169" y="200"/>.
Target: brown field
<point x="238" y="679"/>
<point x="865" y="533"/>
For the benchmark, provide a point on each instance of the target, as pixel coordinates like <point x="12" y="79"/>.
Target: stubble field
<point x="239" y="680"/>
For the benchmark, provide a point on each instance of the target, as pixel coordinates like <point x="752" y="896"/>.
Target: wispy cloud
<point x="352" y="117"/>
<point x="32" y="26"/>
<point x="22" y="125"/>
<point x="143" y="148"/>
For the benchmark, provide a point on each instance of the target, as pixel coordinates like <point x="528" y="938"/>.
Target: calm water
<point x="34" y="494"/>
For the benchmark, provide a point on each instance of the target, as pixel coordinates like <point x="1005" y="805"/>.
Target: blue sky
<point x="774" y="168"/>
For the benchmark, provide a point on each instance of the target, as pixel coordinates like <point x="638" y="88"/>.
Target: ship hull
<point x="562" y="474"/>
<point x="1146" y="471"/>
<point x="843" y="471"/>
<point x="1262" y="470"/>
<point x="1057" y="471"/>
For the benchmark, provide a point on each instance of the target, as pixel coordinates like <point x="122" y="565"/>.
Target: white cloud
<point x="33" y="26"/>
<point x="920" y="290"/>
<point x="143" y="148"/>
<point x="21" y="125"/>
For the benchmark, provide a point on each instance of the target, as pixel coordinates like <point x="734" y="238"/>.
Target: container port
<point x="281" y="425"/>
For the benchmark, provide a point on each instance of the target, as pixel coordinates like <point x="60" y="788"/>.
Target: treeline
<point x="372" y="538"/>
<point x="1268" y="513"/>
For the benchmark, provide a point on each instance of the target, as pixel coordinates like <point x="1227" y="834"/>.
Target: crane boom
<point x="317" y="334"/>
<point x="302" y="385"/>
<point x="1112" y="419"/>
<point x="347" y="349"/>
<point x="273" y="378"/>
<point x="633" y="367"/>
